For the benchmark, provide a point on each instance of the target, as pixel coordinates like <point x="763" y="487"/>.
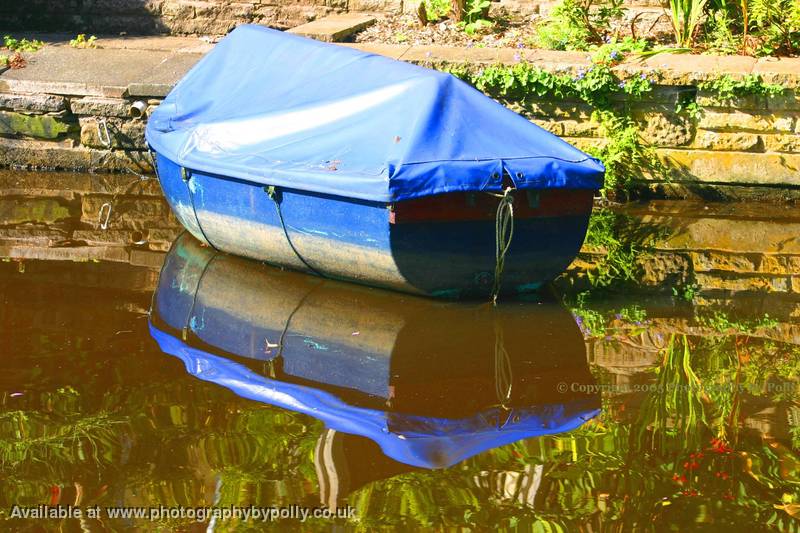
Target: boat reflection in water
<point x="398" y="381"/>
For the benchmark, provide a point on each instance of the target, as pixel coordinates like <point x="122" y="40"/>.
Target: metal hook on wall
<point x="102" y="132"/>
<point x="104" y="221"/>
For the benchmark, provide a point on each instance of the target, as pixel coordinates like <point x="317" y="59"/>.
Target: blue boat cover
<point x="279" y="109"/>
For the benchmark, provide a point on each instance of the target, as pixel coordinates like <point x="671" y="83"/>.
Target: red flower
<point x="720" y="446"/>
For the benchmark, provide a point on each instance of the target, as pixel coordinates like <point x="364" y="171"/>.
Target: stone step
<point x="334" y="28"/>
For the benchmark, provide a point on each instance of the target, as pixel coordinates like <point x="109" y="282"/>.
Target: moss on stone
<point x="39" y="126"/>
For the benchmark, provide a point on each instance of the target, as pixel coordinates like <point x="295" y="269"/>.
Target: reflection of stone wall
<point x="715" y="251"/>
<point x="57" y="216"/>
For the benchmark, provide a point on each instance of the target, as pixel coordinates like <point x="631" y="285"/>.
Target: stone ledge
<point x="334" y="28"/>
<point x="132" y="67"/>
<point x="65" y="155"/>
<point x="740" y="168"/>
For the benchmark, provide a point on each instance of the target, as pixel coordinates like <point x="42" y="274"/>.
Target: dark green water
<point x="686" y="416"/>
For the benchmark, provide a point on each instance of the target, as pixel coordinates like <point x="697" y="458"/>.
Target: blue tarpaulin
<point x="279" y="109"/>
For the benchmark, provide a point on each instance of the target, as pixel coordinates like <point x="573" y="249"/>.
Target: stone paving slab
<point x="163" y="77"/>
<point x="334" y="28"/>
<point x="91" y="72"/>
<point x="394" y="51"/>
<point x="164" y="43"/>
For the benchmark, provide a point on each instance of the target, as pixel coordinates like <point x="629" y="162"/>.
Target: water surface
<point x="225" y="382"/>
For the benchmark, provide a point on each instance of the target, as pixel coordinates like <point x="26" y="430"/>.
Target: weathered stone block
<point x="740" y="121"/>
<point x="383" y="6"/>
<point x="334" y="28"/>
<point x="201" y="25"/>
<point x="787" y="101"/>
<point x="68" y="184"/>
<point x="242" y="12"/>
<point x="552" y="126"/>
<point x="32" y="236"/>
<point x="552" y="110"/>
<point x="579" y="128"/>
<point x="713" y="140"/>
<point x="36" y="103"/>
<point x="749" y="102"/>
<point x="662" y="129"/>
<point x="63" y="155"/>
<point x="705" y="261"/>
<point x="743" y="283"/>
<point x="664" y="270"/>
<point x="178" y="9"/>
<point x="118" y="237"/>
<point x="586" y="143"/>
<point x="103" y="107"/>
<point x="122" y="134"/>
<point x="772" y="264"/>
<point x="782" y="143"/>
<point x="40" y="126"/>
<point x="124" y="7"/>
<point x="741" y="168"/>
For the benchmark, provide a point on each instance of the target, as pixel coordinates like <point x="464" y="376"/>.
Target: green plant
<point x="686" y="17"/>
<point x="724" y="323"/>
<point x="577" y="24"/>
<point x="720" y="37"/>
<point x="625" y="155"/>
<point x="21" y="45"/>
<point x="726" y="87"/>
<point x="474" y="16"/>
<point x="686" y="292"/>
<point x="778" y="22"/>
<point x="436" y="9"/>
<point x="82" y="42"/>
<point x="619" y="263"/>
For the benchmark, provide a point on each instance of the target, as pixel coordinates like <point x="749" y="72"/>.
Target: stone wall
<point x="214" y="17"/>
<point x="744" y="148"/>
<point x="752" y="141"/>
<point x="57" y="132"/>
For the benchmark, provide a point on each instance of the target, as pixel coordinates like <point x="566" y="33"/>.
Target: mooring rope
<point x="504" y="232"/>
<point x="503" y="378"/>
<point x="186" y="175"/>
<point x="275" y="196"/>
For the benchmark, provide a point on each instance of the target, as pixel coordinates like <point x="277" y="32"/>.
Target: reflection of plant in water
<point x="32" y="440"/>
<point x="681" y="463"/>
<point x="724" y="323"/>
<point x="628" y="320"/>
<point x="622" y="243"/>
<point x="675" y="407"/>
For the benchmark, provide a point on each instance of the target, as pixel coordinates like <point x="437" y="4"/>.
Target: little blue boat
<point x="354" y="166"/>
<point x="431" y="383"/>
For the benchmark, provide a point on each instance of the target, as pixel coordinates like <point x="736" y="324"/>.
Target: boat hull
<point x="421" y="252"/>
